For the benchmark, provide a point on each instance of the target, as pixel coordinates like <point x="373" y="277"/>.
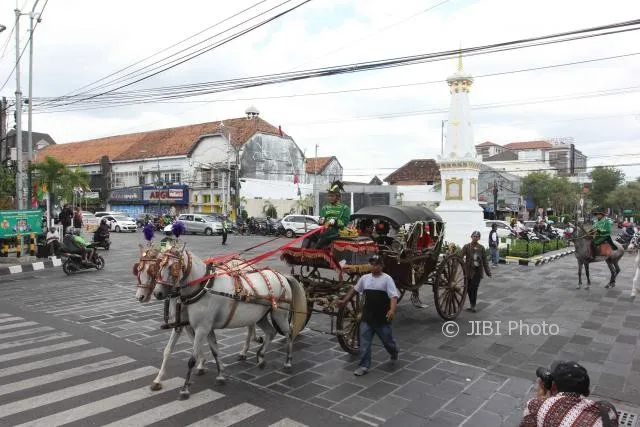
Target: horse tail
<point x="298" y="305"/>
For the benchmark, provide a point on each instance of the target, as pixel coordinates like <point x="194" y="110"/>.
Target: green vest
<point x="340" y="212"/>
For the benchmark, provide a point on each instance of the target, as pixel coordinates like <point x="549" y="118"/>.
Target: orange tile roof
<point x="414" y="172"/>
<point x="316" y="165"/>
<point x="529" y="145"/>
<point x="177" y="141"/>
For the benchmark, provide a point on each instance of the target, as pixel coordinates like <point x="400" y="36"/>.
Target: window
<point x="188" y="218"/>
<point x="206" y="198"/>
<point x="171" y="178"/>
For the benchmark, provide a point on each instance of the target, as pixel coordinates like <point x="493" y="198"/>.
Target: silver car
<point x="198" y="223"/>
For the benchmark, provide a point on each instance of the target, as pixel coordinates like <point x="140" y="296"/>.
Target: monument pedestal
<point x="461" y="219"/>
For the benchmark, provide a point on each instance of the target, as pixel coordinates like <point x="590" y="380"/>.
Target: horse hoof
<point x="578" y="287"/>
<point x="221" y="381"/>
<point x="184" y="395"/>
<point x="288" y="368"/>
<point x="155" y="386"/>
<point x="200" y="372"/>
<point x="260" y="340"/>
<point x="242" y="357"/>
<point x="262" y="364"/>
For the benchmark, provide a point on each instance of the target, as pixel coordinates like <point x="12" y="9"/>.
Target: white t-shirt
<point x="384" y="282"/>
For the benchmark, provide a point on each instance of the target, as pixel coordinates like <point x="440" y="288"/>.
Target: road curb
<point x="34" y="266"/>
<point x="538" y="260"/>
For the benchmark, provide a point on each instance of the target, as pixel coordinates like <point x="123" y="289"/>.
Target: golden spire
<point x="460" y="58"/>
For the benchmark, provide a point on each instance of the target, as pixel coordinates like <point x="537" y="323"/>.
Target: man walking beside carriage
<point x="380" y="300"/>
<point x="475" y="258"/>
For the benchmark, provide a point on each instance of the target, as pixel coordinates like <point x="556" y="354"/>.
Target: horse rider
<point x="602" y="229"/>
<point x="333" y="216"/>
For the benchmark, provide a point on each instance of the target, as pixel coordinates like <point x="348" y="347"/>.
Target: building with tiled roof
<point x="415" y="172"/>
<point x="322" y="170"/>
<point x="193" y="168"/>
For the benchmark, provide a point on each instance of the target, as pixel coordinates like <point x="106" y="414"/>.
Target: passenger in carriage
<point x="333" y="217"/>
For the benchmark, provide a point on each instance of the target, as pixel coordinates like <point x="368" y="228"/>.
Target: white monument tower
<point x="460" y="166"/>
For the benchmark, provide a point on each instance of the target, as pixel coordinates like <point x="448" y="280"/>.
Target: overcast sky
<point x="80" y="41"/>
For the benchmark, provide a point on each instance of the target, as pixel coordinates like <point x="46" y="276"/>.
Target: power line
<point x="187" y="58"/>
<point x="163" y="50"/>
<point x="395" y="86"/>
<point x="25" y="45"/>
<point x="225" y="85"/>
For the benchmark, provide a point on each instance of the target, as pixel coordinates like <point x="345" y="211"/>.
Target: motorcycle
<point x="102" y="244"/>
<point x="624" y="237"/>
<point x="72" y="261"/>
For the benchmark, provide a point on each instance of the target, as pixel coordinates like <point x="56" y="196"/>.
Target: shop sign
<point x="125" y="194"/>
<point x="167" y="195"/>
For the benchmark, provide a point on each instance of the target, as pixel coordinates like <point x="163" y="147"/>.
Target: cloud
<point x="79" y="42"/>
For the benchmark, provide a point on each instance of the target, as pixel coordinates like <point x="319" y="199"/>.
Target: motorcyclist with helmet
<point x="102" y="232"/>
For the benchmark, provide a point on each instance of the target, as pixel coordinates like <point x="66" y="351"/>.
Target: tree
<point x="269" y="210"/>
<point x="536" y="186"/>
<point x="563" y="195"/>
<point x="625" y="197"/>
<point x="48" y="172"/>
<point x="7" y="187"/>
<point x="604" y="181"/>
<point x="72" y="179"/>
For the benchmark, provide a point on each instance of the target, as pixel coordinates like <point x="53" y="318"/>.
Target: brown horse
<point x="605" y="252"/>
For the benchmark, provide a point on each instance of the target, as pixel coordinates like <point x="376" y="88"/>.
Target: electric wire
<point x="190" y="57"/>
<point x="164" y="49"/>
<point x="171" y="92"/>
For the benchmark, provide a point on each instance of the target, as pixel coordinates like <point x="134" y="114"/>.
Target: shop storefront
<point x="127" y="200"/>
<point x="172" y="200"/>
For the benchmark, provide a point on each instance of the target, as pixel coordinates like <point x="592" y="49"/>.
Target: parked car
<point x="504" y="229"/>
<point x="198" y="223"/>
<point x="298" y="224"/>
<point x="120" y="223"/>
<point x="105" y="213"/>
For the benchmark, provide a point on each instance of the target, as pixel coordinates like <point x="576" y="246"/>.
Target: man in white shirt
<point x="53" y="241"/>
<point x="380" y="301"/>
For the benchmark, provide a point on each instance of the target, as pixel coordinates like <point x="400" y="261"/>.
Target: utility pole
<point x="495" y="199"/>
<point x="3" y="129"/>
<point x="316" y="196"/>
<point x="19" y="183"/>
<point x="29" y="134"/>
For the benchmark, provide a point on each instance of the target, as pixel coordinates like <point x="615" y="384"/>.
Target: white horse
<point x="231" y="299"/>
<point x="633" y="245"/>
<point x="146" y="271"/>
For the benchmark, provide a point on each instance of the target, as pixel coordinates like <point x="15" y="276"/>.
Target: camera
<point x="545" y="376"/>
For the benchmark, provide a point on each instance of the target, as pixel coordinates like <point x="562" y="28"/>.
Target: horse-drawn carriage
<point x="410" y="240"/>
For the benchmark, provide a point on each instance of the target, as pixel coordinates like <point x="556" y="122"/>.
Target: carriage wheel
<point x="348" y="324"/>
<point x="450" y="287"/>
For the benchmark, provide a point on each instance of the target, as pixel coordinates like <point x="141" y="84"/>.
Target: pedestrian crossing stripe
<point x="33" y="334"/>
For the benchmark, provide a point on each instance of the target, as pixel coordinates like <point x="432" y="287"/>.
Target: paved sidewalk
<point x="438" y="381"/>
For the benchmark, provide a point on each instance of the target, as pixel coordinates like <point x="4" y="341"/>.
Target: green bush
<point x="524" y="249"/>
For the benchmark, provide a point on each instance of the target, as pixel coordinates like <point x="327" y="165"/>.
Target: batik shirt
<point x="340" y="212"/>
<point x="564" y="410"/>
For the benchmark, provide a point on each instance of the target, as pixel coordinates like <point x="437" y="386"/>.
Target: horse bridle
<point x="179" y="266"/>
<point x="152" y="265"/>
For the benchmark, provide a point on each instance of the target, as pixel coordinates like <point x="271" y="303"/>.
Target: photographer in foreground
<point x="562" y="400"/>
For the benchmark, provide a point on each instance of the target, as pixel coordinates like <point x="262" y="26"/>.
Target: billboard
<point x="23" y="222"/>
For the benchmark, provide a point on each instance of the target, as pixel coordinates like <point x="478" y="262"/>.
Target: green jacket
<point x="80" y="241"/>
<point x="340" y="212"/>
<point x="603" y="230"/>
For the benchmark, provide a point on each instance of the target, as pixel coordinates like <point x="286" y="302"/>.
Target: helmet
<point x="103" y="221"/>
<point x="76" y="231"/>
<point x="626" y="224"/>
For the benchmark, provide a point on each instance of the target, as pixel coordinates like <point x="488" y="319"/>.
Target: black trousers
<point x="224" y="236"/>
<point x="474" y="284"/>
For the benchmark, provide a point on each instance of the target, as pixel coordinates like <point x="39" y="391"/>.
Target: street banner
<point x="23" y="222"/>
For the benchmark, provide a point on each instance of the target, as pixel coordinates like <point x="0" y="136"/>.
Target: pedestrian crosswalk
<point x="51" y="378"/>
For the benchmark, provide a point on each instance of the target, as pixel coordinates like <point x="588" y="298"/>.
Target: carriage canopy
<point x="398" y="215"/>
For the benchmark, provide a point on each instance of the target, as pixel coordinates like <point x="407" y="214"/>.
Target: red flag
<point x="295" y="179"/>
